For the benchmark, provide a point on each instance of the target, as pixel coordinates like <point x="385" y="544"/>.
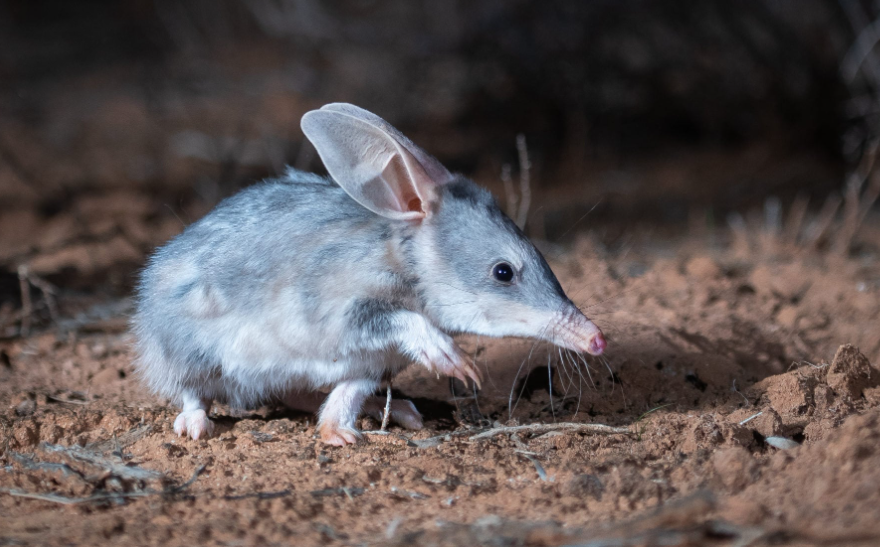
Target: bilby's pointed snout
<point x="576" y="332"/>
<point x="597" y="344"/>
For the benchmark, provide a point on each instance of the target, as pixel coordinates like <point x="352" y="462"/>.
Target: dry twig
<point x="543" y="428"/>
<point x="387" y="415"/>
<point x="525" y="189"/>
<point x="518" y="205"/>
<point x="795" y="221"/>
<point x="120" y="470"/>
<point x="108" y="496"/>
<point x="25" y="280"/>
<point x="26" y="304"/>
<point x="824" y="220"/>
<point x="542" y="474"/>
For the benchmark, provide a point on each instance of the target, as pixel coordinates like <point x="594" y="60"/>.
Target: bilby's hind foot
<point x="336" y="435"/>
<point x="403" y="412"/>
<point x="193" y="420"/>
<point x="336" y="421"/>
<point x="193" y="423"/>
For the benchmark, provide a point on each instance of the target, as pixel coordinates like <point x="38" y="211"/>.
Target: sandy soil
<point x="740" y="390"/>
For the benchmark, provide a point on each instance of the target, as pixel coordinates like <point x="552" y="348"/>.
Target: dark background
<point x="653" y="115"/>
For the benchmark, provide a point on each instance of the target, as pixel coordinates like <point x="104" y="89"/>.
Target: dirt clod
<point x="791" y="397"/>
<point x="851" y="372"/>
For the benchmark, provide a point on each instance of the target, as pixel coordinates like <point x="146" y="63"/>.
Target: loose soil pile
<point x="740" y="390"/>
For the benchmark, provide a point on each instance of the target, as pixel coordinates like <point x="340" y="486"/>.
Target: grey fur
<point x="292" y="286"/>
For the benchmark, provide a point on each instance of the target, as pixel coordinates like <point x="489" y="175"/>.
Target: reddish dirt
<point x="716" y="358"/>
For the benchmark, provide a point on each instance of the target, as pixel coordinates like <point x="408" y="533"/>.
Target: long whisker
<point x="569" y="373"/>
<point x="622" y="390"/>
<point x="587" y="368"/>
<point x="580" y="392"/>
<point x="511" y="406"/>
<point x="489" y="376"/>
<point x="580" y="219"/>
<point x="561" y="365"/>
<point x="576" y="367"/>
<point x="575" y="375"/>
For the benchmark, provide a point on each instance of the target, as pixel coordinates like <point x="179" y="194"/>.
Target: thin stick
<point x="796" y="215"/>
<point x="824" y="220"/>
<point x="525" y="190"/>
<point x="872" y="193"/>
<point x="750" y="418"/>
<point x="543" y="428"/>
<point x="860" y="52"/>
<point x="55" y="498"/>
<point x="26" y="304"/>
<point x="387" y="416"/>
<point x="66" y="401"/>
<point x="542" y="474"/>
<point x="849" y="225"/>
<point x="48" y="291"/>
<point x="17" y="316"/>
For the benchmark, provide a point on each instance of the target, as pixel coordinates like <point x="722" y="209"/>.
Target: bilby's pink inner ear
<point x="373" y="162"/>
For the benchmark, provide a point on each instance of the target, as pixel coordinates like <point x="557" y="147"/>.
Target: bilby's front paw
<point x="435" y="349"/>
<point x="443" y="355"/>
<point x="194" y="423"/>
<point x="336" y="435"/>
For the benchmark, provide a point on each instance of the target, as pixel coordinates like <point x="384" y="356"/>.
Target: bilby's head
<point x="476" y="271"/>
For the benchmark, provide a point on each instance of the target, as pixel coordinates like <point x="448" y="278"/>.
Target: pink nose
<point x="597" y="344"/>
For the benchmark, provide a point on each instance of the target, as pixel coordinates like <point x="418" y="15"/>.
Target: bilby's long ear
<point x="378" y="167"/>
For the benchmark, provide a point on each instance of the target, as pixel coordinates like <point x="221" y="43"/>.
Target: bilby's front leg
<point x="433" y="348"/>
<point x="337" y="417"/>
<point x="377" y="325"/>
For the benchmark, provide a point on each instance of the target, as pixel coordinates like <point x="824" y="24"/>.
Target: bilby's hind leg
<point x="336" y="420"/>
<point x="403" y="411"/>
<point x="193" y="419"/>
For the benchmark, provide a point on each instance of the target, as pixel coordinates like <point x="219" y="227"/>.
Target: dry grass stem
<point x="543" y="428"/>
<point x="795" y="222"/>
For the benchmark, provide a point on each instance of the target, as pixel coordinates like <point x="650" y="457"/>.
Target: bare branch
<point x="26" y="304"/>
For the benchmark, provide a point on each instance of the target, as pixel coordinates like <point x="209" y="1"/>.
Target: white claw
<point x="194" y="423"/>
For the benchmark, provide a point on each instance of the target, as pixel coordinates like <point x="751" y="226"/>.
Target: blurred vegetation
<point x="122" y="122"/>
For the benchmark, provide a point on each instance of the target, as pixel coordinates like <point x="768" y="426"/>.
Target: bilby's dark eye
<point x="503" y="272"/>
